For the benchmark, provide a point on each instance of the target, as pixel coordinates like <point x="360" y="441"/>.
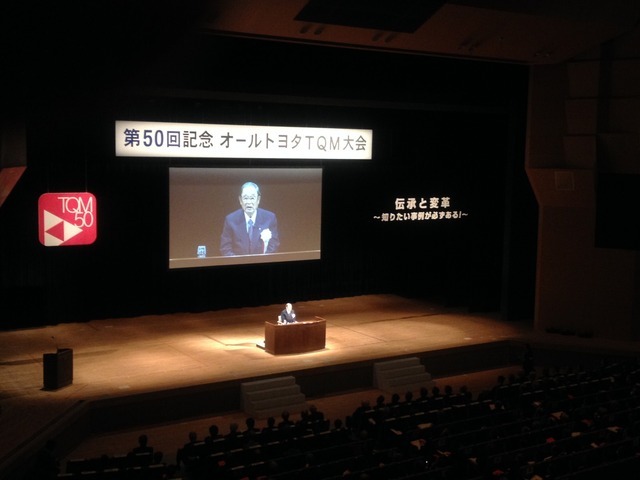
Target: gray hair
<point x="250" y="184"/>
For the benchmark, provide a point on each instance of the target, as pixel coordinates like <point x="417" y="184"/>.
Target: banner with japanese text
<point x="195" y="140"/>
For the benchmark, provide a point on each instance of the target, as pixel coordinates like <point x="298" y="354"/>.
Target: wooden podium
<point x="296" y="337"/>
<point x="58" y="368"/>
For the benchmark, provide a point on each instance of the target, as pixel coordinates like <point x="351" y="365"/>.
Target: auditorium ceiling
<point x="525" y="32"/>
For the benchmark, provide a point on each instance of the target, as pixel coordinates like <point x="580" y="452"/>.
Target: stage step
<point x="401" y="375"/>
<point x="270" y="397"/>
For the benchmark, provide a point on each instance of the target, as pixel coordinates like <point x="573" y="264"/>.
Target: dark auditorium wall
<point x="583" y="140"/>
<point x="434" y="120"/>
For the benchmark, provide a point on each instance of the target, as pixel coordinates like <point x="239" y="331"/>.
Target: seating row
<point x="149" y="472"/>
<point x="521" y="428"/>
<point x="106" y="462"/>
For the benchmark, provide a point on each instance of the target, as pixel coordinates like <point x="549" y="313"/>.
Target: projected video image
<point x="227" y="216"/>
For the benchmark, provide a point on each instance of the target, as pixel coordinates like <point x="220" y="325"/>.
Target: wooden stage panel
<point x="299" y="337"/>
<point x="156" y="368"/>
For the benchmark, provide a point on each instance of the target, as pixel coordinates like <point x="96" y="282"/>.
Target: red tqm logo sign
<point x="67" y="219"/>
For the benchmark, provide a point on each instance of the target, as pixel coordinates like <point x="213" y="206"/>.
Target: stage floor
<point x="121" y="357"/>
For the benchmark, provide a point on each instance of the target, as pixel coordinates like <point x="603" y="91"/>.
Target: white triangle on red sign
<point x="50" y="222"/>
<point x="51" y="240"/>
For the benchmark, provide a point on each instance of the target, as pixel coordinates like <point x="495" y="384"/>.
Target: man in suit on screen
<point x="249" y="230"/>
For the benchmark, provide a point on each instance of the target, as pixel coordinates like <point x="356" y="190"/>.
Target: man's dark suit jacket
<point x="287" y="317"/>
<point x="235" y="239"/>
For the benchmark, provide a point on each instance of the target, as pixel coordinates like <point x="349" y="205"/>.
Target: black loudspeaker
<point x="58" y="368"/>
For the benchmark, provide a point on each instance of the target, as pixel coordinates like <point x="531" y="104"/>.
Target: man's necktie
<point x="250" y="228"/>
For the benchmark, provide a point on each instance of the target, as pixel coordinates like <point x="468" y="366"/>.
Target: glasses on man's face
<point x="249" y="198"/>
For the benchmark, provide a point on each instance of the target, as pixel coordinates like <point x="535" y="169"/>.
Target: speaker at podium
<point x="58" y="368"/>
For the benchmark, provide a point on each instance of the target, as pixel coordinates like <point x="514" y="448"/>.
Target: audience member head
<point x="250" y="422"/>
<point x="143" y="445"/>
<point x="158" y="457"/>
<point x="143" y="440"/>
<point x="233" y="428"/>
<point x="314" y="412"/>
<point x="424" y="393"/>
